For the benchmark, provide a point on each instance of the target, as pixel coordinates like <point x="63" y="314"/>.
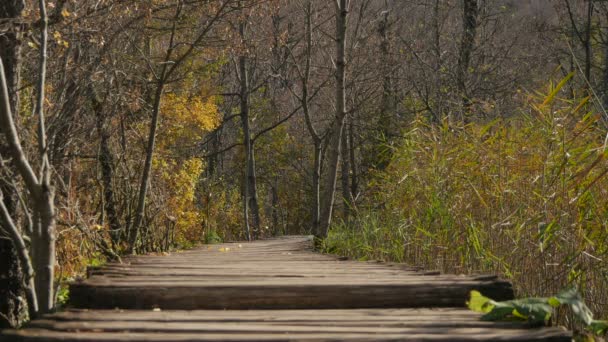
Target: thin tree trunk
<point x="44" y="249"/>
<point x="330" y="177"/>
<point x="39" y="188"/>
<point x="316" y="187"/>
<point x="250" y="199"/>
<point x="275" y="203"/>
<point x="44" y="196"/>
<point x="135" y="229"/>
<point x="106" y="162"/>
<point x="345" y="168"/>
<point x="11" y="307"/>
<point x="317" y="141"/>
<point x="439" y="111"/>
<point x="387" y="107"/>
<point x="10" y="48"/>
<point x="605" y="75"/>
<point x="253" y="193"/>
<point x="244" y="97"/>
<point x="23" y="257"/>
<point x="469" y="31"/>
<point x="335" y="131"/>
<point x="354" y="187"/>
<point x="588" y="47"/>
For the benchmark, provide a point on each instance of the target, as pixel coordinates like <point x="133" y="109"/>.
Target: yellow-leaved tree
<point x="185" y="119"/>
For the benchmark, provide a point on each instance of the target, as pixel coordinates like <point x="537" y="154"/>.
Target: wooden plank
<point x="273" y="274"/>
<point x="307" y="325"/>
<point x="280" y="296"/>
<point x="37" y="335"/>
<point x="274" y="290"/>
<point x="333" y="314"/>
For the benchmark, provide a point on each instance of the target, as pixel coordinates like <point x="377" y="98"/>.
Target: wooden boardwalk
<point x="274" y="290"/>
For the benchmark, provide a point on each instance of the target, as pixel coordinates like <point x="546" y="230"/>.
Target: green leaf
<point x="554" y="302"/>
<point x="598" y="327"/>
<point x="479" y="303"/>
<point x="572" y="298"/>
<point x="537" y="310"/>
<point x="533" y="310"/>
<point x="499" y="313"/>
<point x="557" y="88"/>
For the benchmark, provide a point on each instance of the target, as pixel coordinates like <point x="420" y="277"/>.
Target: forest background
<point x="467" y="136"/>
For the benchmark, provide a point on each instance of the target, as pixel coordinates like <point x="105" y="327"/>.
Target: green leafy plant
<point x="212" y="237"/>
<point x="63" y="294"/>
<point x="536" y="311"/>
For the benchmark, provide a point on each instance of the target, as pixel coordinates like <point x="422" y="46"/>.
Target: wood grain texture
<point x="274" y="290"/>
<point x="279" y="325"/>
<point x="273" y="274"/>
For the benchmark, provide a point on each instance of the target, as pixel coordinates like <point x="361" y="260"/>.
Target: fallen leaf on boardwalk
<point x="156" y="310"/>
<point x="224" y="249"/>
<point x="240" y="246"/>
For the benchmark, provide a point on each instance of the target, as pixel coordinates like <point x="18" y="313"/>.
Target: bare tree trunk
<point x="43" y="248"/>
<point x="316" y="186"/>
<point x="316" y="139"/>
<point x="583" y="35"/>
<point x="337" y="126"/>
<point x="7" y="125"/>
<point x="388" y="106"/>
<point x="587" y="43"/>
<point x="10" y="48"/>
<point x="439" y="107"/>
<point x="135" y="228"/>
<point x="213" y="160"/>
<point x="244" y="96"/>
<point x="345" y="168"/>
<point x="250" y="199"/>
<point x="21" y="251"/>
<point x="274" y="189"/>
<point x="106" y="162"/>
<point x="253" y="193"/>
<point x="354" y="179"/>
<point x="605" y="76"/>
<point x="43" y="243"/>
<point x="330" y="177"/>
<point x="39" y="188"/>
<point x="469" y="31"/>
<point x="11" y="289"/>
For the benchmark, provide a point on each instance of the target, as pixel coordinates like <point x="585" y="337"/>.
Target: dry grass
<point x="526" y="197"/>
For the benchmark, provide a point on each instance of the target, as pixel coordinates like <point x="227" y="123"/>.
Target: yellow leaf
<point x="65" y="13"/>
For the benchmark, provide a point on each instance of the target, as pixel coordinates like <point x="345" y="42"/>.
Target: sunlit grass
<point x="525" y="197"/>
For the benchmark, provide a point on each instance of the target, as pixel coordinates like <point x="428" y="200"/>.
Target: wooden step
<point x="273" y="274"/>
<point x="282" y="325"/>
<point x="249" y="292"/>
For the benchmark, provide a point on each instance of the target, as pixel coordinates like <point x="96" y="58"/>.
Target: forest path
<point x="274" y="290"/>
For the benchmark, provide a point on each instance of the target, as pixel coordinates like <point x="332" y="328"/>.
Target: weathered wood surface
<point x="225" y="287"/>
<point x="279" y="325"/>
<point x="273" y="274"/>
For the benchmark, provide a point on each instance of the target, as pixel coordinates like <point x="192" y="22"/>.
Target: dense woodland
<point x="467" y="136"/>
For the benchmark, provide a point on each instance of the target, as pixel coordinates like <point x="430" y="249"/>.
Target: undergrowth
<point x="525" y="197"/>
